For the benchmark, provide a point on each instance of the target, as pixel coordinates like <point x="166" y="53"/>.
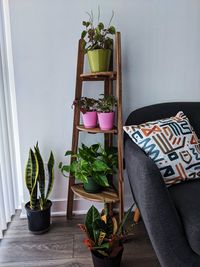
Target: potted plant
<point x="97" y="43"/>
<point x="104" y="237"/>
<point x="87" y="107"/>
<point x="38" y="208"/>
<point x="105" y="111"/>
<point x="92" y="166"/>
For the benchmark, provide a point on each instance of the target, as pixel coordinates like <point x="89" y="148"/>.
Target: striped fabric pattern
<point x="172" y="144"/>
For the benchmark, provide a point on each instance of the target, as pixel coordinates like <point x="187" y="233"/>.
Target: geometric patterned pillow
<point x="172" y="144"/>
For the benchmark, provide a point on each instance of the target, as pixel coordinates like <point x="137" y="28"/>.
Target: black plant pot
<point x="39" y="220"/>
<point x="92" y="187"/>
<point x="101" y="261"/>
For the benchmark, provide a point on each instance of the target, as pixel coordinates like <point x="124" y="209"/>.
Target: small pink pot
<point x="90" y="119"/>
<point x="106" y="120"/>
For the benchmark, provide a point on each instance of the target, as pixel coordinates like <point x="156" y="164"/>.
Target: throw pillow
<point x="172" y="144"/>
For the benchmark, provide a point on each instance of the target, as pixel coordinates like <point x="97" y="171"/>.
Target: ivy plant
<point x="99" y="36"/>
<point x="93" y="161"/>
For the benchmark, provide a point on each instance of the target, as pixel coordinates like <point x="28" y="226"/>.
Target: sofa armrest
<point x="157" y="209"/>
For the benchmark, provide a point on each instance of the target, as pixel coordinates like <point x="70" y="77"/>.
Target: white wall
<point x="161" y="62"/>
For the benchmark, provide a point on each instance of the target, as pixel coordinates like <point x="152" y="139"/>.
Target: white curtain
<point x="9" y="173"/>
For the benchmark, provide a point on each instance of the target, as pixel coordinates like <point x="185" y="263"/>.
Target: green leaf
<point x="120" y="229"/>
<point x="99" y="166"/>
<point x="100" y="26"/>
<point x="50" y="166"/>
<point x="99" y="224"/>
<point x="83" y="34"/>
<point x="109" y="226"/>
<point x="74" y="166"/>
<point x="41" y="174"/>
<point x="111" y="30"/>
<point x="68" y="153"/>
<point x="60" y="165"/>
<point x="101" y="179"/>
<point x="91" y="216"/>
<point x="84" y="23"/>
<point x="31" y="177"/>
<point x="65" y="168"/>
<point x="103" y="246"/>
<point x="82" y="176"/>
<point x="95" y="147"/>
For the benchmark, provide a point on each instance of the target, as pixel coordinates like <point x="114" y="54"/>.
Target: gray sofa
<point x="171" y="216"/>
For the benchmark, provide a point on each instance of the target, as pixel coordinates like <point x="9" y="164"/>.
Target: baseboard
<point x="81" y="206"/>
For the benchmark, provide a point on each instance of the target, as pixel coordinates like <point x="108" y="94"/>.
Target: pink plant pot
<point x="106" y="120"/>
<point x="90" y="119"/>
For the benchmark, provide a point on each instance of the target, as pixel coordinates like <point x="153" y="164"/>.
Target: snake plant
<point x="35" y="177"/>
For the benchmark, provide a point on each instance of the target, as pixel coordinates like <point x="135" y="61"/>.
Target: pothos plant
<point x="93" y="161"/>
<point x="85" y="104"/>
<point x="104" y="234"/>
<point x="35" y="178"/>
<point x="97" y="37"/>
<point x="106" y="103"/>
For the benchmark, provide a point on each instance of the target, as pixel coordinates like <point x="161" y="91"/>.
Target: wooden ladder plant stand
<point x="110" y="195"/>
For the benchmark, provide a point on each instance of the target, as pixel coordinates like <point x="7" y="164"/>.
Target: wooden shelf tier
<point x="109" y="195"/>
<point x="96" y="130"/>
<point x="99" y="76"/>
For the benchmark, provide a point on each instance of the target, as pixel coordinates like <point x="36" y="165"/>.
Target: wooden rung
<point x="95" y="130"/>
<point x="109" y="195"/>
<point x="99" y="75"/>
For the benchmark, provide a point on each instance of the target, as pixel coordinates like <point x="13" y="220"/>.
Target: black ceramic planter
<point x="101" y="261"/>
<point x="92" y="186"/>
<point x="39" y="220"/>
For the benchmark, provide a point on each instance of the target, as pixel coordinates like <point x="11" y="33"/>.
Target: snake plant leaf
<point x="34" y="177"/>
<point x="50" y="166"/>
<point x="28" y="172"/>
<point x="91" y="216"/>
<point x="41" y="175"/>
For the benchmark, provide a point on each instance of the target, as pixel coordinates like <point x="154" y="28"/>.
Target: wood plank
<point x="75" y="133"/>
<point x="119" y="124"/>
<point x="99" y="75"/>
<point x="63" y="246"/>
<point x="34" y="247"/>
<point x="109" y="195"/>
<point x="95" y="130"/>
<point x="83" y="262"/>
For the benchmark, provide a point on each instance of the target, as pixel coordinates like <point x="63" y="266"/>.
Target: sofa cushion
<point x="172" y="144"/>
<point x="186" y="198"/>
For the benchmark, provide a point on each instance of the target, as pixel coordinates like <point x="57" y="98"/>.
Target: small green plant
<point x="85" y="104"/>
<point x="94" y="162"/>
<point x="97" y="37"/>
<point x="106" y="103"/>
<point x="35" y="177"/>
<point x="104" y="233"/>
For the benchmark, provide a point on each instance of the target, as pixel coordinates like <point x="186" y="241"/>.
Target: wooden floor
<point x="62" y="246"/>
